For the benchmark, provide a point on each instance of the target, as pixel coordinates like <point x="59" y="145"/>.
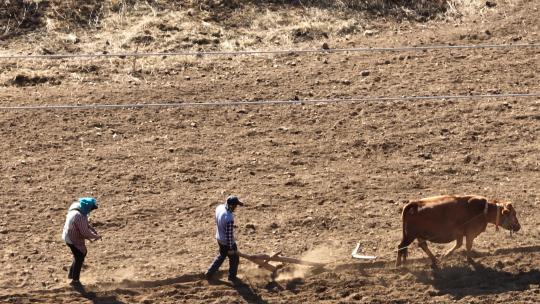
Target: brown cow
<point x="443" y="219"/>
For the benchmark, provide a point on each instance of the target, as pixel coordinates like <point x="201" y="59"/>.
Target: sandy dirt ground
<point x="316" y="177"/>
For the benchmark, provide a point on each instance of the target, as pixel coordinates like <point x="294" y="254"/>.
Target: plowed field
<point x="316" y="177"/>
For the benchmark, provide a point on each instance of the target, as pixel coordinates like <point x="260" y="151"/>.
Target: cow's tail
<point x="409" y="210"/>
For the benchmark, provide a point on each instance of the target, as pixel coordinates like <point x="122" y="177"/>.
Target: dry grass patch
<point x="119" y="25"/>
<point x="116" y="26"/>
<point x="18" y="16"/>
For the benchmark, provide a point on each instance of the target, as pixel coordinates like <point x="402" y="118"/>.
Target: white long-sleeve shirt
<point x="224" y="226"/>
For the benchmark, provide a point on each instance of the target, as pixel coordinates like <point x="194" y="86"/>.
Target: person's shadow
<point x="247" y="293"/>
<point x="95" y="298"/>
<point x="243" y="289"/>
<point x="475" y="279"/>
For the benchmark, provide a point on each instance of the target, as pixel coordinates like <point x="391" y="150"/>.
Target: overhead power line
<point x="264" y="102"/>
<point x="262" y="52"/>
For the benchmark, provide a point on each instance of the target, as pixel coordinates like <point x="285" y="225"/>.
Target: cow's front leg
<point x="423" y="244"/>
<point x="459" y="242"/>
<point x="468" y="245"/>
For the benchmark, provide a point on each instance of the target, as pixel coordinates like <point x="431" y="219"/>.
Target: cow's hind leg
<point x="459" y="242"/>
<point x="402" y="250"/>
<point x="423" y="244"/>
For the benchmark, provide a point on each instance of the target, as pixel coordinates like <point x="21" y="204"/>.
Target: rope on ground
<point x="265" y="102"/>
<point x="291" y="51"/>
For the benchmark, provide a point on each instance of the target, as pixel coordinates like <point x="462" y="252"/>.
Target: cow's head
<point x="508" y="215"/>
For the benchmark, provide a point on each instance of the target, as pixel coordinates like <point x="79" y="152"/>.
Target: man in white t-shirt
<point x="225" y="239"/>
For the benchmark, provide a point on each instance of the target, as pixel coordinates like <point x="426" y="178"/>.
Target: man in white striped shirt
<point x="76" y="231"/>
<point x="225" y="239"/>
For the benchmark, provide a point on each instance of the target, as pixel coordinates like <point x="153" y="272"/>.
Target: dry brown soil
<point x="316" y="178"/>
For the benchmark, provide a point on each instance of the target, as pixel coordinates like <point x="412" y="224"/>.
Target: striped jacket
<point x="77" y="228"/>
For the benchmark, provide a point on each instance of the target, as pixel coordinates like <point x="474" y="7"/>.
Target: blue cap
<point x="87" y="204"/>
<point x="233" y="200"/>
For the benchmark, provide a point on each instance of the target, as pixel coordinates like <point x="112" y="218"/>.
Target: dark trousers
<point x="78" y="260"/>
<point x="234" y="260"/>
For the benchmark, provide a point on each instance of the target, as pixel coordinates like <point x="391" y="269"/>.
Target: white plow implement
<point x="359" y="256"/>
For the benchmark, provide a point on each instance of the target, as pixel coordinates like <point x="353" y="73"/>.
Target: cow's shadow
<point x="475" y="279"/>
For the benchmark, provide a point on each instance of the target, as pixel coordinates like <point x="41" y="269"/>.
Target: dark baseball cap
<point x="233" y="200"/>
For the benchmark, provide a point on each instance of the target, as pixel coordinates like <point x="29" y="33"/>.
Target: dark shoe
<point x="75" y="283"/>
<point x="209" y="276"/>
<point x="235" y="281"/>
